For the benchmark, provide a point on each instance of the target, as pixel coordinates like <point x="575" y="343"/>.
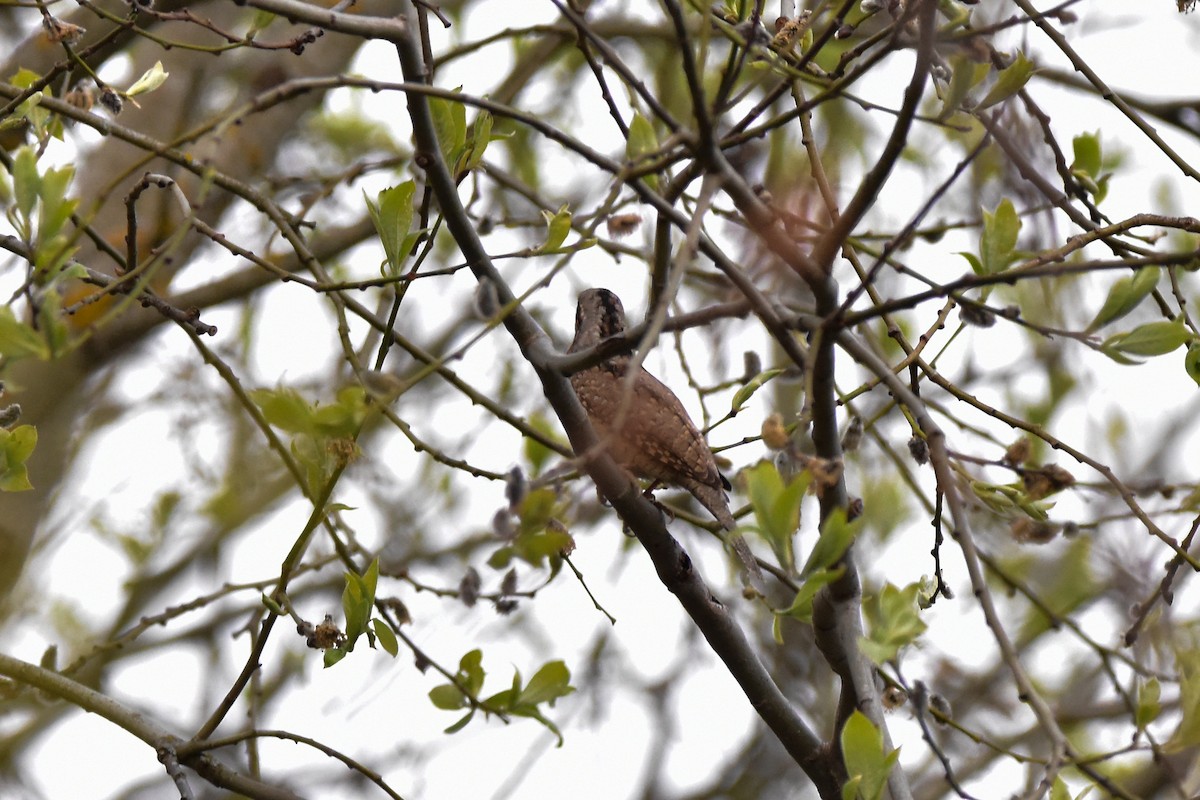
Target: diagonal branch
<point x="143" y="727"/>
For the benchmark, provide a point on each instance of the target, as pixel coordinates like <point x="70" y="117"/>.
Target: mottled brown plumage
<point x="657" y="439"/>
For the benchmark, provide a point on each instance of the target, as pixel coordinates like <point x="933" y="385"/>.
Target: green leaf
<point x="371" y="578"/>
<point x="447" y="697"/>
<point x="53" y="323"/>
<point x="539" y="536"/>
<point x="470" y="671"/>
<point x="358" y="600"/>
<point x="998" y="242"/>
<point x="286" y="409"/>
<point x="747" y="391"/>
<point x="642" y="141"/>
<point x="1191" y="361"/>
<point x="777" y="508"/>
<point x="18" y="340"/>
<point x="894" y="621"/>
<point x="481" y="135"/>
<point x="27" y="183"/>
<point x="1148" y="705"/>
<point x="333" y="655"/>
<point x="1152" y="339"/>
<point x="802" y="605"/>
<point x="558" y="225"/>
<point x="344" y="417"/>
<point x="1086" y="148"/>
<point x="392" y="214"/>
<point x="1124" y="296"/>
<point x="535" y="452"/>
<point x="470" y="676"/>
<point x="16" y="446"/>
<point x="548" y="684"/>
<point x="1088" y="163"/>
<point x="387" y="638"/>
<point x="837" y="534"/>
<point x="462" y="723"/>
<point x="1010" y="81"/>
<point x="55" y="208"/>
<point x="867" y="765"/>
<point x="973" y="260"/>
<point x="273" y="606"/>
<point x="1188" y="733"/>
<point x="259" y="23"/>
<point x="450" y="122"/>
<point x="356" y="605"/>
<point x="1116" y="356"/>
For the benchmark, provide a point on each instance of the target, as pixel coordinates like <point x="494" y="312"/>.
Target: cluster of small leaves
<point x="392" y="214"/>
<point x="39" y="213"/>
<point x="550" y="682"/>
<point x="968" y="73"/>
<point x="558" y="225"/>
<point x="42" y="124"/>
<point x="16" y="446"/>
<point x="463" y="152"/>
<point x="39" y="210"/>
<point x="1006" y="499"/>
<point x="821" y="568"/>
<point x="358" y="604"/>
<point x="323" y="435"/>
<point x="893" y="620"/>
<point x="777" y="505"/>
<point x="539" y="535"/>
<point x="998" y="241"/>
<point x="1155" y="338"/>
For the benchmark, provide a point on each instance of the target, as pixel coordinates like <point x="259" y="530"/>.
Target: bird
<point x="656" y="439"/>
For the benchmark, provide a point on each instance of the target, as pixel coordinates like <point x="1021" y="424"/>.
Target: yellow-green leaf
<point x="746" y="392"/>
<point x="998" y="241"/>
<point x="1148" y="705"/>
<point x="1152" y="339"/>
<point x="558" y="225"/>
<point x="386" y="637"/>
<point x="1124" y="296"/>
<point x="15" y="448"/>
<point x="642" y="141"/>
<point x="392" y="214"/>
<point x="837" y="534"/>
<point x="1191" y="361"/>
<point x="18" y="340"/>
<point x="867" y="765"/>
<point x="1010" y="81"/>
<point x="893" y="621"/>
<point x="450" y="123"/>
